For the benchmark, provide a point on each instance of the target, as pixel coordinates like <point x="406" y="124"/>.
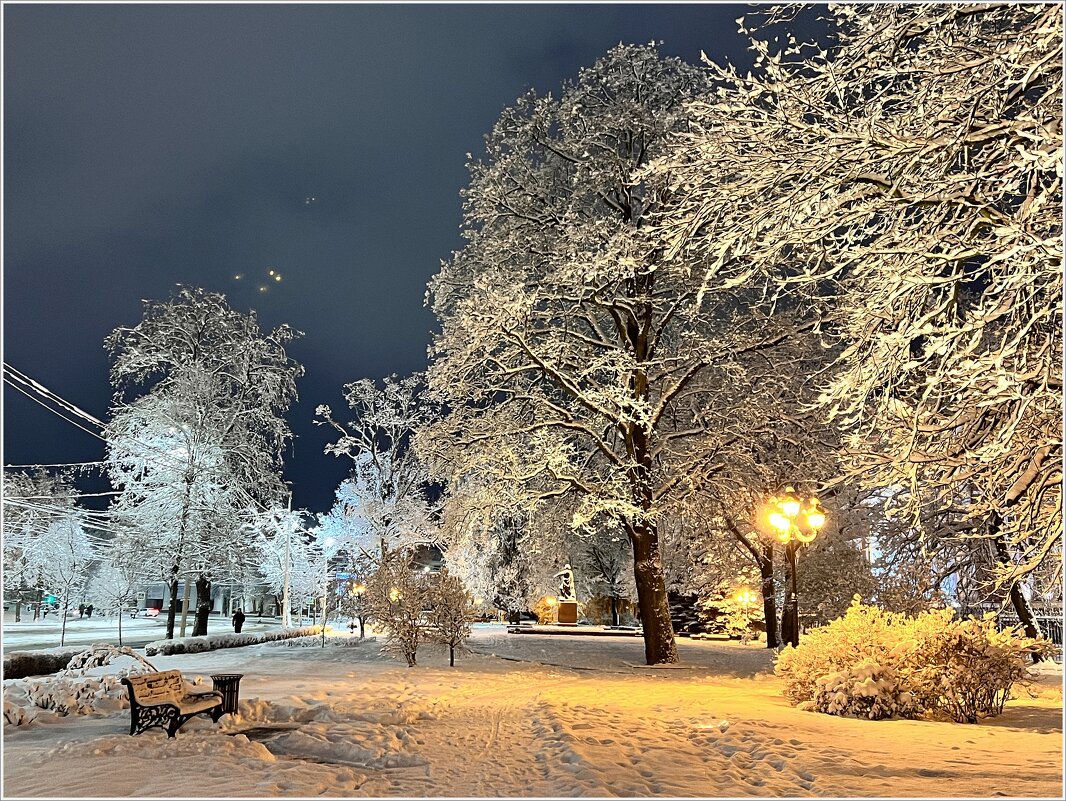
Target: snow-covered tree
<point x="284" y="556"/>
<point x="908" y="183"/>
<point x="604" y="561"/>
<point x="203" y="440"/>
<point x="383" y="504"/>
<point x="568" y="345"/>
<point x="33" y="502"/>
<point x="396" y="594"/>
<point x="67" y="557"/>
<point x="451" y="611"/>
<point x="115" y="583"/>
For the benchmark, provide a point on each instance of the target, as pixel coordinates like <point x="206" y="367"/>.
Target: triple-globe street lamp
<point x="796" y="522"/>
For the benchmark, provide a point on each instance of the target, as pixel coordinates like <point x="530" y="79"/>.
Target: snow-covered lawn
<point x="345" y="721"/>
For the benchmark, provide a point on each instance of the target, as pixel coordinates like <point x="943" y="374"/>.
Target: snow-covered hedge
<point x="876" y="664"/>
<point x="20" y="664"/>
<point x="195" y="645"/>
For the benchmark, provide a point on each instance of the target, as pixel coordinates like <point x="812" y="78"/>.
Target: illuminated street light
<point x="395" y="595"/>
<point x="796" y="521"/>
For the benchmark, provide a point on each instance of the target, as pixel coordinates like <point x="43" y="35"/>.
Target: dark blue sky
<point x="147" y="146"/>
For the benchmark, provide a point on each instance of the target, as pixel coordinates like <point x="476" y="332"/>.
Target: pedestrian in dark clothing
<point x="238" y="621"/>
<point x="89" y="610"/>
<point x="81" y="610"/>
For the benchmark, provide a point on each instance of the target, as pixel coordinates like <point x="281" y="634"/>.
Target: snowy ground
<point x="345" y="721"/>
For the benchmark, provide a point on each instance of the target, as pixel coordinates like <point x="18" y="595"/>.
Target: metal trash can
<point x="229" y="685"/>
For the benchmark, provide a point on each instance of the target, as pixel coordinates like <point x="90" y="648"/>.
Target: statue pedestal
<point x="567" y="614"/>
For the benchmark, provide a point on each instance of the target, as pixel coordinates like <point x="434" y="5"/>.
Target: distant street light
<point x="797" y="522"/>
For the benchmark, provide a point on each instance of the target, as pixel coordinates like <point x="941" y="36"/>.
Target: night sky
<point x="147" y="146"/>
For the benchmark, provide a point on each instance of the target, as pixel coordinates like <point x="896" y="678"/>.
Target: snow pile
<point x="211" y="642"/>
<point x="80" y="689"/>
<point x="876" y="664"/>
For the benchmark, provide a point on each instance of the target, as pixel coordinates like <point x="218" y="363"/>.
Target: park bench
<point x="161" y="699"/>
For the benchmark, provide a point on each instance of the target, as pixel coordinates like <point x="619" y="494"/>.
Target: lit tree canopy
<point x="908" y="184"/>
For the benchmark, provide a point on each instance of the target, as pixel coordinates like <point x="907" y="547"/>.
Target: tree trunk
<point x="769" y="597"/>
<point x="63" y="622"/>
<point x="1017" y="598"/>
<point x="121" y="612"/>
<point x="203" y="605"/>
<point x="659" y="645"/>
<point x="451" y="655"/>
<point x="172" y="613"/>
<point x="18" y="609"/>
<point x="614" y="611"/>
<point x="40" y="600"/>
<point x="184" y="605"/>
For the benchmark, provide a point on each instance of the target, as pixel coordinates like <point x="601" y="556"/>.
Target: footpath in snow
<point x="346" y="721"/>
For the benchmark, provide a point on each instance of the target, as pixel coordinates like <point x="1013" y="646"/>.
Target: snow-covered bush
<point x="195" y="645"/>
<point x="877" y="664"/>
<point x="969" y="669"/>
<point x="329" y="641"/>
<point x="867" y="690"/>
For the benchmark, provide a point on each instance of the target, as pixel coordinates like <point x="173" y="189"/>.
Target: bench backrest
<point x="149" y="687"/>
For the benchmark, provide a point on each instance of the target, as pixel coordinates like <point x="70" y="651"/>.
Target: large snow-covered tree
<point x="197" y="429"/>
<point x="566" y="338"/>
<point x="908" y="182"/>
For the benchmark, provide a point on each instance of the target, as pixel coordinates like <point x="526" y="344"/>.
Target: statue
<point x="566" y="586"/>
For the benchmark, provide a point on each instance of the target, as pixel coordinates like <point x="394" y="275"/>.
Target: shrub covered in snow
<point x="330" y="641"/>
<point x="195" y="645"/>
<point x="877" y="664"/>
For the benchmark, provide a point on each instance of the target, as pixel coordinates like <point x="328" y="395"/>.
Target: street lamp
<point x="796" y="522"/>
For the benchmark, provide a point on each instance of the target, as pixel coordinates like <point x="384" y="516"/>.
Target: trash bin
<point x="229" y="685"/>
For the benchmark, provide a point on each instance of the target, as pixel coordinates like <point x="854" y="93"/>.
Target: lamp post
<point x="797" y="522"/>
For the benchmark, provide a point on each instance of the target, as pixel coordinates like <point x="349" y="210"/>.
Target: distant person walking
<point x="88" y="610"/>
<point x="238" y="621"/>
<point x="81" y="610"/>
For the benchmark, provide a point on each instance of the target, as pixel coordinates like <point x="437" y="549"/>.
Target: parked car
<point x="152" y="611"/>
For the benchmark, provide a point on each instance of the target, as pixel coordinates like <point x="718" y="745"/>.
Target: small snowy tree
<point x="114" y="585"/>
<point x="67" y="558"/>
<point x="451" y="611"/>
<point x="397" y="594"/>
